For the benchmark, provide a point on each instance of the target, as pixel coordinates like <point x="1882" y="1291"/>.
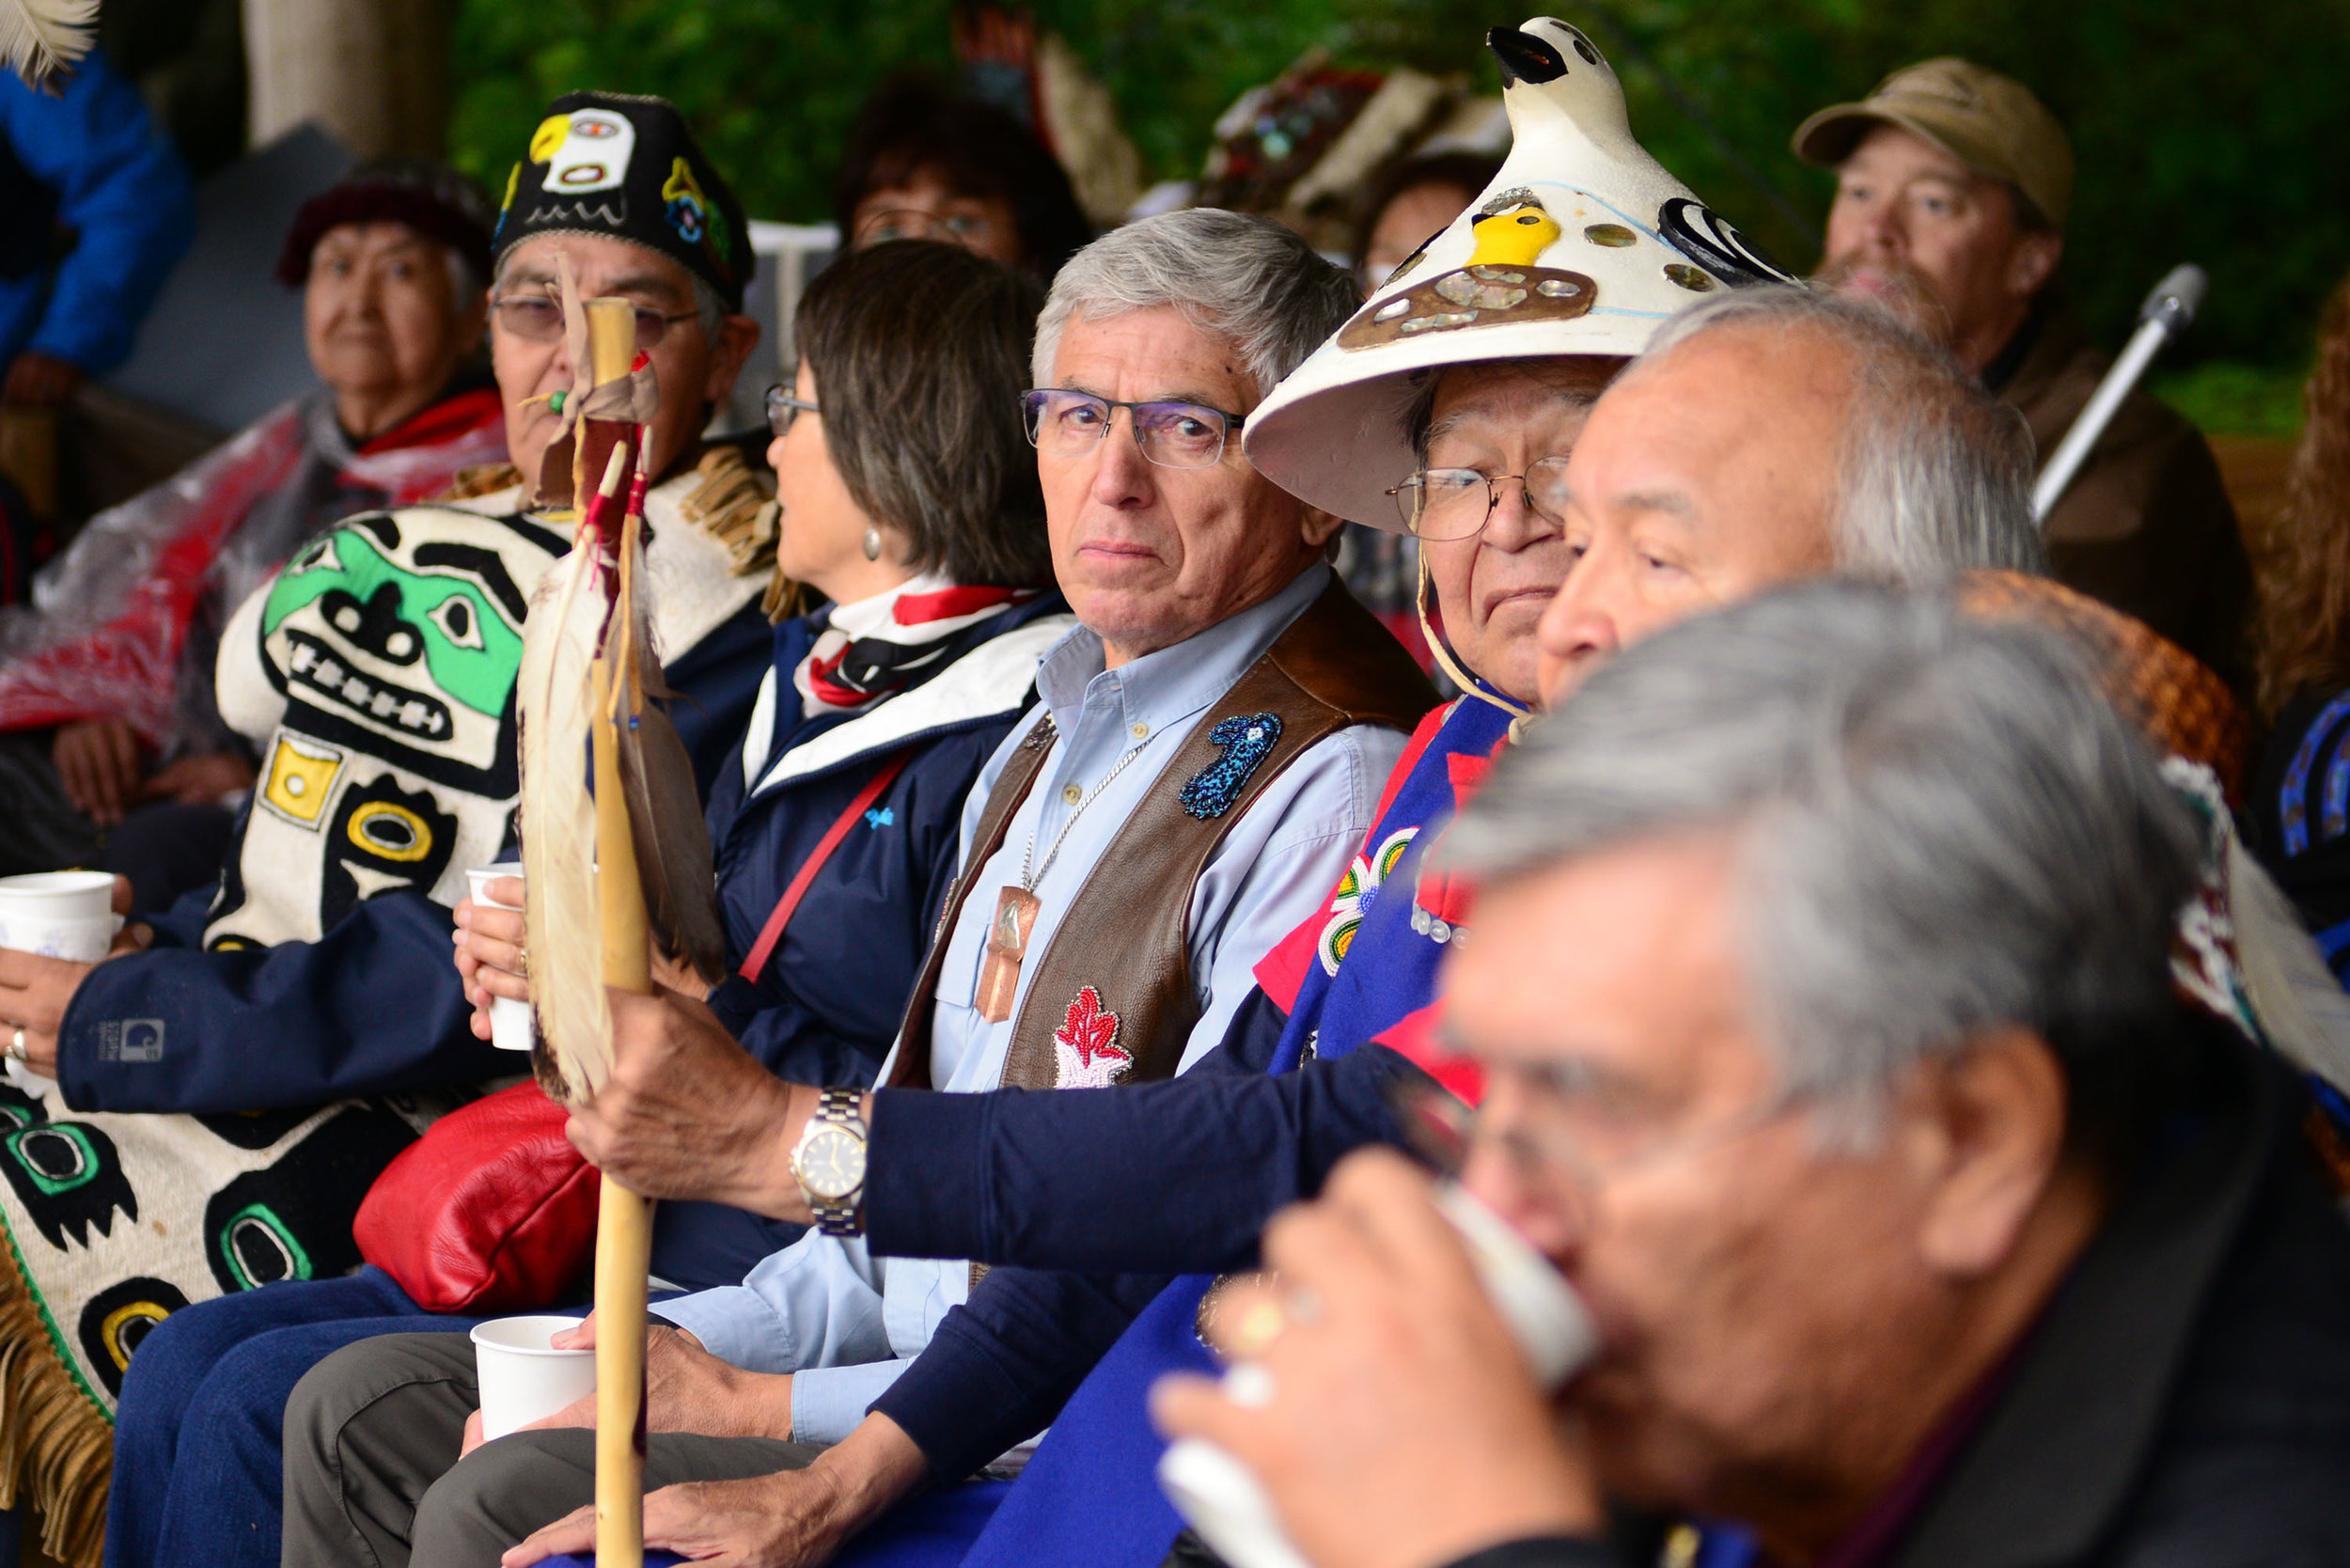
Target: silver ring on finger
<point x="16" y="1046"/>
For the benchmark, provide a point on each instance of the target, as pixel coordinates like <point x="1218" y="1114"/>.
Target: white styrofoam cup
<point x="523" y="1377"/>
<point x="82" y="940"/>
<point x="509" y="1020"/>
<point x="57" y="895"/>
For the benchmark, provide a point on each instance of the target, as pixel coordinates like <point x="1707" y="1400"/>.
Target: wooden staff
<point x="624" y="1220"/>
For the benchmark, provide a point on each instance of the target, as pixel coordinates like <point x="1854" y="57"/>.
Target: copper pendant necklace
<point x="1016" y="910"/>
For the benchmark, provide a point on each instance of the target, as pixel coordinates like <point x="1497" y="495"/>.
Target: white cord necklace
<point x="1027" y="879"/>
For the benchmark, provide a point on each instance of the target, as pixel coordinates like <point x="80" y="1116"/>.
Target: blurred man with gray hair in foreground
<point x="1919" y="1220"/>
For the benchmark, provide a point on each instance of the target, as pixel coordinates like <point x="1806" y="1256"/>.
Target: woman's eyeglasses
<point x="783" y="407"/>
<point x="539" y="318"/>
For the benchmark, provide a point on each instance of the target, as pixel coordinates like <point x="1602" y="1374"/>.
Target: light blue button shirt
<point x="845" y="1322"/>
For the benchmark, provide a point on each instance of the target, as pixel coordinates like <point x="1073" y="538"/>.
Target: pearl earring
<point x="872" y="544"/>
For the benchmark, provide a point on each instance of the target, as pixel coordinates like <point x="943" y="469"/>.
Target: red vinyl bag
<point x="491" y="1211"/>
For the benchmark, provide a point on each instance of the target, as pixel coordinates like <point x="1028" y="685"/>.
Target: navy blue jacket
<point x="986" y="1177"/>
<point x="830" y="996"/>
<point x="373" y="1007"/>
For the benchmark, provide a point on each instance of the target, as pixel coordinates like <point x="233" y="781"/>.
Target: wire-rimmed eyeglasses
<point x="969" y="229"/>
<point x="1445" y="503"/>
<point x="539" y="318"/>
<point x="784" y="405"/>
<point x="1173" y="435"/>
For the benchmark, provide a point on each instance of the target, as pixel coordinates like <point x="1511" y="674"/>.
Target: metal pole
<point x="2164" y="316"/>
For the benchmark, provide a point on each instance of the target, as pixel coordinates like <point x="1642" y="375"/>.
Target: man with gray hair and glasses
<point x="1204" y="756"/>
<point x="1917" y="1216"/>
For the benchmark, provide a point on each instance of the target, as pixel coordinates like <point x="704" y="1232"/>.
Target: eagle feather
<point x="559" y="826"/>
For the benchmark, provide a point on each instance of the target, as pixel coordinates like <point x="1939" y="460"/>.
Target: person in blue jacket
<point x="910" y="500"/>
<point x="89" y="164"/>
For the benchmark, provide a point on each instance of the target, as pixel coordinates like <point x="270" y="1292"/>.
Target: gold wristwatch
<point x="828" y="1162"/>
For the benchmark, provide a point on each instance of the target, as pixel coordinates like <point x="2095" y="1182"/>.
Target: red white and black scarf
<point x="879" y="646"/>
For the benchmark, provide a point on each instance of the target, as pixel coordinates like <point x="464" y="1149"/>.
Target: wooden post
<point x="375" y="73"/>
<point x="624" y="1220"/>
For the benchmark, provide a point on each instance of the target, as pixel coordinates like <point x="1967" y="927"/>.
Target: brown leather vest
<point x="1125" y="936"/>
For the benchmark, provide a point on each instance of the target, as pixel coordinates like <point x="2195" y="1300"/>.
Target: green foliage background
<point x="2205" y="131"/>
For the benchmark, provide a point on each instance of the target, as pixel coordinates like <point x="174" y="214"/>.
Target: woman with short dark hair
<point x="910" y="500"/>
<point x="927" y="445"/>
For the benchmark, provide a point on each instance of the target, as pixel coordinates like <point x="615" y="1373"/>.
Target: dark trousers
<point x="164" y="848"/>
<point x="41" y="830"/>
<point x="372" y="1476"/>
<point x="198" y="1458"/>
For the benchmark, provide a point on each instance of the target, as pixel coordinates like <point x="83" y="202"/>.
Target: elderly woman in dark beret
<point x="106" y="682"/>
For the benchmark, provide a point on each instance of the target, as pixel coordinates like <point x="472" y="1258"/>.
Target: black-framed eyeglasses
<point x="1457" y="503"/>
<point x="539" y="318"/>
<point x="784" y="406"/>
<point x="1173" y="435"/>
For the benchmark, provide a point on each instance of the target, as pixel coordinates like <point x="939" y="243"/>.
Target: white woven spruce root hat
<point x="1581" y="246"/>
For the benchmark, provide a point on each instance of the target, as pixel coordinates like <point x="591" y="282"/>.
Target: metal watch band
<point x="844" y="1217"/>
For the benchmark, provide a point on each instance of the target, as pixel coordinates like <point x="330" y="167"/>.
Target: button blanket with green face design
<point x="470" y="647"/>
<point x="391" y="646"/>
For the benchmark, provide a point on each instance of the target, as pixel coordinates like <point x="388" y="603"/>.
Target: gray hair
<point x="1943" y="829"/>
<point x="1245" y="278"/>
<point x="1935" y="474"/>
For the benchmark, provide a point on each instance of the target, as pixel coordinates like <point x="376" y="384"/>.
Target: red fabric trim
<point x="1422" y="738"/>
<point x="1406" y="628"/>
<point x="913" y="609"/>
<point x="1414" y="1038"/>
<point x="1468" y="776"/>
<point x="839" y="697"/>
<point x="1281" y="973"/>
<point x="772" y="931"/>
<point x="442" y="421"/>
<point x="1452" y="899"/>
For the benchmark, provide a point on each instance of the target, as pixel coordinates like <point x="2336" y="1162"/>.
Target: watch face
<point x="831" y="1163"/>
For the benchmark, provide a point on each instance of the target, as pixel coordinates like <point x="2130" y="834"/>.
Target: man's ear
<point x="2033" y="262"/>
<point x="737" y="337"/>
<point x="1318" y="528"/>
<point x="1988" y="1125"/>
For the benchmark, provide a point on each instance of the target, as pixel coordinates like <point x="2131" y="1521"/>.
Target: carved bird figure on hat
<point x="1566" y="113"/>
<point x="1499" y="283"/>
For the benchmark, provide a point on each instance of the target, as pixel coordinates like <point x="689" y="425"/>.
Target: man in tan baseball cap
<point x="1953" y="184"/>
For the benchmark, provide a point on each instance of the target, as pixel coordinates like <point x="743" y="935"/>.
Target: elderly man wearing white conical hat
<point x="1448" y="405"/>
